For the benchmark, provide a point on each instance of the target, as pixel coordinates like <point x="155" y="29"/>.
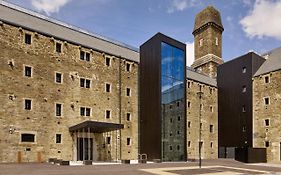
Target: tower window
<point x="58" y="77"/>
<point x="244" y="128"/>
<point x="27" y="104"/>
<point x="243" y="108"/>
<point x="188" y="104"/>
<point x="107" y="114"/>
<point x="244" y="89"/>
<point x="58" y="47"/>
<point x="128" y="67"/>
<point x="267" y="144"/>
<point x="108" y="140"/>
<point x="266" y="101"/>
<point x="107" y="87"/>
<point x="244" y="70"/>
<point x="188" y="143"/>
<point x="266" y="79"/>
<point x="211" y="109"/>
<point x="266" y="122"/>
<point x="188" y="84"/>
<point x="179" y="118"/>
<point x="84" y="56"/>
<point x="217" y="41"/>
<point x="58" y="109"/>
<point x="128" y="141"/>
<point x="211" y="128"/>
<point x="27" y="71"/>
<point x="85" y="111"/>
<point x="128" y="116"/>
<point x="188" y="124"/>
<point x="85" y="83"/>
<point x="107" y="61"/>
<point x="128" y="92"/>
<point x="27" y="38"/>
<point x="58" y="138"/>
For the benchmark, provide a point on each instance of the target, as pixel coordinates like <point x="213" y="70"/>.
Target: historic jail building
<point x="178" y="104"/>
<point x="64" y="92"/>
<point x="266" y="106"/>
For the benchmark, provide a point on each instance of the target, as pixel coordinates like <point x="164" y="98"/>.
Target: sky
<point x="249" y="25"/>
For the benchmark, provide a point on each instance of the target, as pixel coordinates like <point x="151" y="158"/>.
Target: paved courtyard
<point x="210" y="167"/>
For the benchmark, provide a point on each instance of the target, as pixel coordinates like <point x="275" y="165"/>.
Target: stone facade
<point x="267" y="114"/>
<point x="44" y="60"/>
<point x="207" y="107"/>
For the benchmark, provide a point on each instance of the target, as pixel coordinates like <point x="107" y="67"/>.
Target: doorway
<point x="84" y="149"/>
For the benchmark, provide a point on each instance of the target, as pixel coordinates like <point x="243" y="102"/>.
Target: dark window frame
<point x="28" y="71"/>
<point x="27" y="38"/>
<point x="58" y="138"/>
<point x="28" y="137"/>
<point x="58" y="109"/>
<point x="58" y="77"/>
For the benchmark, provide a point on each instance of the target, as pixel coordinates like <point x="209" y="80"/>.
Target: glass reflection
<point x="173" y="106"/>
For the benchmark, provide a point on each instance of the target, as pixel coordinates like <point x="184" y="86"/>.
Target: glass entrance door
<point x="84" y="149"/>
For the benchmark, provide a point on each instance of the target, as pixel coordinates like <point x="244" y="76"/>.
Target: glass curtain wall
<point x="172" y="103"/>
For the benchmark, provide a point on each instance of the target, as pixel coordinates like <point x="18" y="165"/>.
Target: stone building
<point x="64" y="92"/>
<point x="266" y="106"/>
<point x="207" y="33"/>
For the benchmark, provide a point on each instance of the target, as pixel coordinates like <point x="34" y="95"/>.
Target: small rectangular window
<point x="188" y="124"/>
<point x="201" y="42"/>
<point x="27" y="71"/>
<point x="188" y="84"/>
<point x="128" y="116"/>
<point x="266" y="79"/>
<point x="128" y="67"/>
<point x="108" y="140"/>
<point x="128" y="92"/>
<point x="179" y="118"/>
<point x="58" y="47"/>
<point x="128" y="141"/>
<point x="107" y="61"/>
<point x="188" y="144"/>
<point x="244" y="89"/>
<point x="188" y="104"/>
<point x="211" y="128"/>
<point x="88" y="112"/>
<point x="88" y="83"/>
<point x="58" y="138"/>
<point x="266" y="101"/>
<point x="27" y="38"/>
<point x="107" y="114"/>
<point x="82" y="111"/>
<point x="87" y="56"/>
<point x="178" y="147"/>
<point x="58" y="109"/>
<point x="27" y="138"/>
<point x="217" y="41"/>
<point x="266" y="122"/>
<point x="211" y="145"/>
<point x="211" y="109"/>
<point x="244" y="128"/>
<point x="27" y="104"/>
<point x="244" y="70"/>
<point x="107" y="87"/>
<point x="267" y="144"/>
<point x="82" y="82"/>
<point x="171" y="148"/>
<point x="82" y="55"/>
<point x="58" y="77"/>
<point x="243" y="108"/>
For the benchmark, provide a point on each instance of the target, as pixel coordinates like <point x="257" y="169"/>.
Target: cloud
<point x="247" y="2"/>
<point x="263" y="20"/>
<point x="49" y="6"/>
<point x="180" y="5"/>
<point x="189" y="53"/>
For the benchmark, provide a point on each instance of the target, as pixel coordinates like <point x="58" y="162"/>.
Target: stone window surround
<point x="108" y="140"/>
<point x="108" y="111"/>
<point x="244" y="70"/>
<point x="55" y="140"/>
<point x="24" y="38"/>
<point x="128" y="67"/>
<point x="266" y="79"/>
<point x="85" y="53"/>
<point x="129" y="141"/>
<point x="128" y="116"/>
<point x="85" y="113"/>
<point x="31" y="106"/>
<point x="106" y="83"/>
<point x="264" y="100"/>
<point x="57" y="72"/>
<point x="267" y="119"/>
<point x="217" y="41"/>
<point x="130" y="92"/>
<point x="85" y="79"/>
<point x="109" y="60"/>
<point x="28" y="132"/>
<point x="61" y="47"/>
<point x="24" y="66"/>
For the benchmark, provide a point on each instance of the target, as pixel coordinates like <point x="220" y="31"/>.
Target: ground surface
<point x="209" y="167"/>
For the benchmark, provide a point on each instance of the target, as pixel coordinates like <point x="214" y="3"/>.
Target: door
<point x="84" y="149"/>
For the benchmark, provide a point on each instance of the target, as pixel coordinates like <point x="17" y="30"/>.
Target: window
<point x="200" y="88"/>
<point x="211" y="128"/>
<point x="107" y="114"/>
<point x="27" y="38"/>
<point x="58" y="109"/>
<point x="84" y="56"/>
<point x="128" y="116"/>
<point x="178" y="104"/>
<point x="266" y="100"/>
<point x="188" y="84"/>
<point x="85" y="83"/>
<point x="201" y="42"/>
<point x="188" y="104"/>
<point x="58" y="138"/>
<point x="244" y="89"/>
<point x="107" y="87"/>
<point x="188" y="144"/>
<point x="85" y="111"/>
<point x="58" y="77"/>
<point x="217" y="41"/>
<point x="244" y="128"/>
<point x="201" y="125"/>
<point x="171" y="148"/>
<point x="211" y="145"/>
<point x="178" y="147"/>
<point x="128" y="141"/>
<point x="128" y="92"/>
<point x="266" y="79"/>
<point x="244" y="70"/>
<point x="178" y="132"/>
<point x="27" y="71"/>
<point x="58" y="47"/>
<point x="188" y="124"/>
<point x="211" y="90"/>
<point x="266" y="122"/>
<point x="171" y="120"/>
<point x="179" y="118"/>
<point x="27" y="137"/>
<point x="128" y="67"/>
<point x="243" y="108"/>
<point x="27" y="104"/>
<point x="108" y="140"/>
<point x="211" y="109"/>
<point x="107" y="61"/>
<point x="266" y="143"/>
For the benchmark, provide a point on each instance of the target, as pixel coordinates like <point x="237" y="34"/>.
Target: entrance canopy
<point x="96" y="127"/>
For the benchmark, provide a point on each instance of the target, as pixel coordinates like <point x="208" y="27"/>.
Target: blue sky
<point x="249" y="24"/>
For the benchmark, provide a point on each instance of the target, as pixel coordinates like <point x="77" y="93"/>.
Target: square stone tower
<point x="207" y="33"/>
